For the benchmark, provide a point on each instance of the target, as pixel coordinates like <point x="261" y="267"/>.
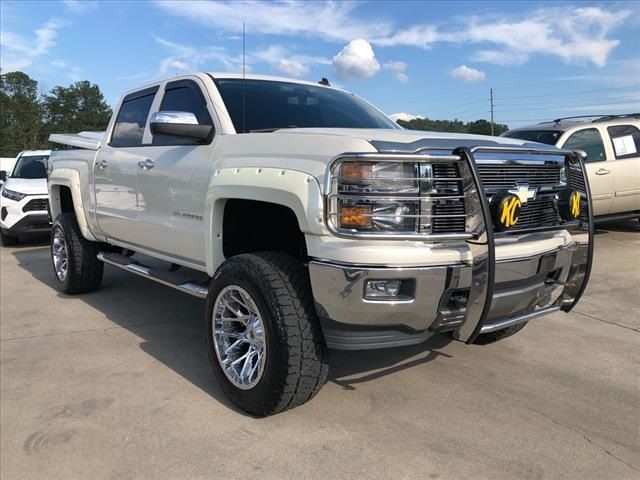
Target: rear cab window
<point x="625" y="141"/>
<point x="588" y="140"/>
<point x="128" y="130"/>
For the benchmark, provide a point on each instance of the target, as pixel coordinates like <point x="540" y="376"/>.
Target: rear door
<point x="624" y="153"/>
<point x="116" y="169"/>
<point x="599" y="169"/>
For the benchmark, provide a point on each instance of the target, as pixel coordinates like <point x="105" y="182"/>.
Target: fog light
<point x="389" y="290"/>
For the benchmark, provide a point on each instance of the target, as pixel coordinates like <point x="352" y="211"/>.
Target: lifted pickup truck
<point x="317" y="223"/>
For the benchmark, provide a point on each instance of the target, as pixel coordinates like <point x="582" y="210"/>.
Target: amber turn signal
<point x="356" y="170"/>
<point x="355" y="216"/>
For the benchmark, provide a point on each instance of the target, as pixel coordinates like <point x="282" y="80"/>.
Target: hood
<point x="391" y="140"/>
<point x="30" y="186"/>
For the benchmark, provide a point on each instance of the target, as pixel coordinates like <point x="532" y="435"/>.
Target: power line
<point x="565" y="107"/>
<point x="557" y="94"/>
<point x="555" y="102"/>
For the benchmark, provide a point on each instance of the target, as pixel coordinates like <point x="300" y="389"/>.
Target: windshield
<point x="550" y="137"/>
<point x="264" y="105"/>
<point x="31" y="166"/>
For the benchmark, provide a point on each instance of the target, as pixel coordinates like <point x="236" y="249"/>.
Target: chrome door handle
<point x="603" y="171"/>
<point x="147" y="164"/>
<point x="101" y="164"/>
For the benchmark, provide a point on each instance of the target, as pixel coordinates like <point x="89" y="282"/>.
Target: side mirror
<point x="583" y="154"/>
<point x="179" y="124"/>
<point x="3" y="175"/>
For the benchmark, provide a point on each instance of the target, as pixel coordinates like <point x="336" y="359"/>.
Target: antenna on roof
<point x="244" y="74"/>
<point x="324" y="82"/>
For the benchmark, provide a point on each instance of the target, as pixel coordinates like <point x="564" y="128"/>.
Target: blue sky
<point x="435" y="59"/>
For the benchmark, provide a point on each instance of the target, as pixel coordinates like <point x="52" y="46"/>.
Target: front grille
<point x="576" y="181"/>
<point x="507" y="176"/>
<point x="445" y="213"/>
<point x="37" y="204"/>
<point x="540" y="212"/>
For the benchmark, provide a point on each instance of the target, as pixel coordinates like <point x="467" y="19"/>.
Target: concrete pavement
<point x="116" y="385"/>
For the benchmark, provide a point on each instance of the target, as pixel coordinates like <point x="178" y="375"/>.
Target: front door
<point x="116" y="170"/>
<point x="172" y="190"/>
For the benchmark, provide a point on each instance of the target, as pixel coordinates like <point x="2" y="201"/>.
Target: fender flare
<point x="67" y="177"/>
<point x="292" y="189"/>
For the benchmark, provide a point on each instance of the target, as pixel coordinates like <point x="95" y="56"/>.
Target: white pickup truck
<point x="309" y="221"/>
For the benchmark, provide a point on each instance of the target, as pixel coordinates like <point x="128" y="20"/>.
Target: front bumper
<point x="488" y="291"/>
<point x="524" y="289"/>
<point x="32" y="224"/>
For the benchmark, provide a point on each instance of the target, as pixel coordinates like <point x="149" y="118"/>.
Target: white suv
<point x="612" y="147"/>
<point x="24" y="201"/>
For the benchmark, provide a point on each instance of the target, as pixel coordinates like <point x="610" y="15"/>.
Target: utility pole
<point x="491" y="99"/>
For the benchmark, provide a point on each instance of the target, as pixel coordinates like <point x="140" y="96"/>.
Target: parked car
<point x="6" y="165"/>
<point x="317" y="223"/>
<point x="24" y="198"/>
<point x="611" y="146"/>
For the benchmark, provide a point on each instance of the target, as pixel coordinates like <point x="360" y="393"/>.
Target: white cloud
<point x="80" y="6"/>
<point x="187" y="58"/>
<point x="356" y="60"/>
<point x="402" y="77"/>
<point x="292" y="68"/>
<point x="20" y="51"/>
<point x="418" y="36"/>
<point x="576" y="35"/>
<point x="398" y="68"/>
<point x="467" y="74"/>
<point x="335" y="21"/>
<point x="404" y="116"/>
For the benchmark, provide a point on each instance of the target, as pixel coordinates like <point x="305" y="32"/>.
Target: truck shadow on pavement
<point x="170" y="326"/>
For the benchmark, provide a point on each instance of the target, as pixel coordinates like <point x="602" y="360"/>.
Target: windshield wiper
<point x="268" y="130"/>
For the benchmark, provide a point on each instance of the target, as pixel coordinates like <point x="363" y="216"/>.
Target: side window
<point x="183" y="96"/>
<point x="625" y="140"/>
<point x="132" y="118"/>
<point x="589" y="140"/>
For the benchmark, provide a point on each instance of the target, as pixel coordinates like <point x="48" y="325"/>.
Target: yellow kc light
<point x="508" y="211"/>
<point x="574" y="203"/>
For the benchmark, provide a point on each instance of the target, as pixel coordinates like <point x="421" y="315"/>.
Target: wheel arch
<point x="294" y="191"/>
<point x="64" y="188"/>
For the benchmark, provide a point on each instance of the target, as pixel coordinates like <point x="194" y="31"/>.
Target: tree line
<point x="27" y="118"/>
<point x="479" y="127"/>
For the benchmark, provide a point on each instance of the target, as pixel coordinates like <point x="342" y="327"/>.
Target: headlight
<point x="16" y="196"/>
<point x="395" y="198"/>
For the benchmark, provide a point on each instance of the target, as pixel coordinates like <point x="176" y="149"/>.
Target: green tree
<point x="480" y="127"/>
<point x="20" y="114"/>
<point x="75" y="108"/>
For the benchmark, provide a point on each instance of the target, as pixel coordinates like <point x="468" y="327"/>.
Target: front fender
<point x="296" y="190"/>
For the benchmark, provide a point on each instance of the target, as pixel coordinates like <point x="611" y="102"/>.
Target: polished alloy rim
<point x="238" y="333"/>
<point x="59" y="252"/>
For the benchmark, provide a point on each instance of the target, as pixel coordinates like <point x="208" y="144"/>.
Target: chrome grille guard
<point x="481" y="239"/>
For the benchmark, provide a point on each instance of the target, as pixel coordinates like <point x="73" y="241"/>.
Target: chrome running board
<point x="165" y="277"/>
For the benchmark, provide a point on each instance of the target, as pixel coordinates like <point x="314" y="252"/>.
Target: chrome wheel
<point x="59" y="253"/>
<point x="238" y="333"/>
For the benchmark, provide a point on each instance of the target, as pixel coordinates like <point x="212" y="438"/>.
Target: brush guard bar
<point x="480" y="237"/>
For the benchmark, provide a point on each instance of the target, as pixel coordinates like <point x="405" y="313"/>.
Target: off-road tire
<point x="84" y="270"/>
<point x="7" y="240"/>
<point x="297" y="360"/>
<point x="486" y="338"/>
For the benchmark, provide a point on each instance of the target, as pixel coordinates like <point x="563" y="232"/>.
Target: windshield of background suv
<point x="270" y="105"/>
<point x="550" y="137"/>
<point x="31" y="166"/>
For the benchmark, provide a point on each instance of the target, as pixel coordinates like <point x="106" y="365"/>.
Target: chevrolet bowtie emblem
<point x="524" y="193"/>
